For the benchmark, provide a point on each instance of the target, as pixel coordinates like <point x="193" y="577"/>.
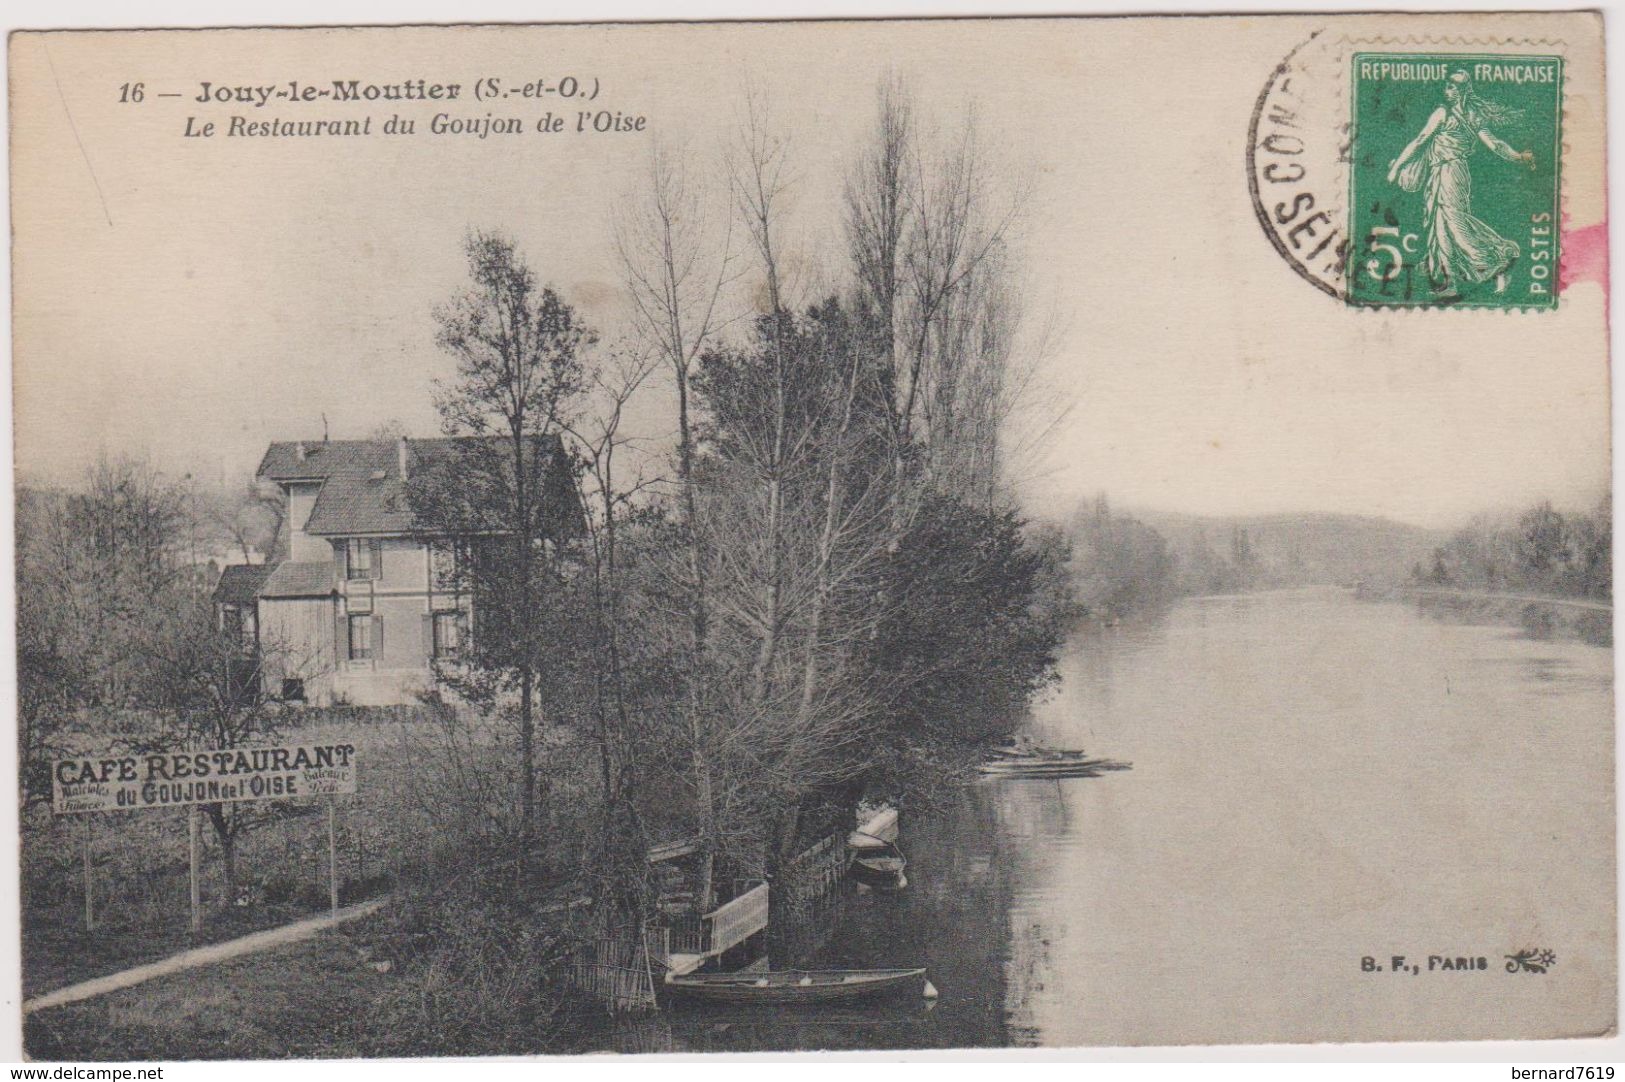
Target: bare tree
<point x="878" y="213"/>
<point x="676" y="261"/>
<point x="799" y="456"/>
<point x="251" y="516"/>
<point x="758" y="175"/>
<point x="115" y="613"/>
<point x="599" y="436"/>
<point x="925" y="235"/>
<point x="207" y="695"/>
<point x="92" y="563"/>
<point x="53" y="611"/>
<point x="518" y="348"/>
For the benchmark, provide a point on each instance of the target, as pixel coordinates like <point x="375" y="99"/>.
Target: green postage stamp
<point x="1454" y="180"/>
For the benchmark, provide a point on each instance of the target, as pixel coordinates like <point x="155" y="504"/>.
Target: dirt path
<point x="201" y="956"/>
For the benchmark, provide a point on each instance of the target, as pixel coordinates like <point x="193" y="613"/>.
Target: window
<point x="443" y="565"/>
<point x="363" y="559"/>
<point x="360" y="638"/>
<point x="231" y="622"/>
<point x="448" y="634"/>
<point x="293" y="690"/>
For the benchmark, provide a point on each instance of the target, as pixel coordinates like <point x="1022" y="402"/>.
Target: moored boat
<point x="791" y="986"/>
<point x="1059" y="765"/>
<point x="876" y="863"/>
<point x="879" y="821"/>
<point x="1023" y="752"/>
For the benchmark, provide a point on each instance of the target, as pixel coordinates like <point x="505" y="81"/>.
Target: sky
<point x="192" y="299"/>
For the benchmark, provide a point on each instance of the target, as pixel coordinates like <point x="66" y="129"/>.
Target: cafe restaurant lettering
<point x="202" y="777"/>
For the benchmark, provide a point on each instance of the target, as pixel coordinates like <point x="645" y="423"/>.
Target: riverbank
<point x="1580" y="619"/>
<point x="1315" y="778"/>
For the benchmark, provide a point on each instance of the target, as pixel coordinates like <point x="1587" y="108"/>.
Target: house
<point x="363" y="599"/>
<point x="236" y="600"/>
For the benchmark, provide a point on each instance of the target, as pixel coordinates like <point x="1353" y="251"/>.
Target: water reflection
<point x="1311" y="772"/>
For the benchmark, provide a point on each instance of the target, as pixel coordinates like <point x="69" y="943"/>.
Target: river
<point x="1315" y="779"/>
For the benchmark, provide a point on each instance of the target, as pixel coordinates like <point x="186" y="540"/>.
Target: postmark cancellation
<point x="1419" y="177"/>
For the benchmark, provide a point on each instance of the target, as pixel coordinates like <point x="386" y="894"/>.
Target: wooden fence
<point x="803" y="893"/>
<point x="811" y="877"/>
<point x="807" y="892"/>
<point x="620" y="968"/>
<point x="623" y="988"/>
<point x="726" y="926"/>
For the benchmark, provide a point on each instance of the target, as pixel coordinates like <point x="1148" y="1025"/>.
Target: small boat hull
<point x="882" y="824"/>
<point x="882" y="878"/>
<point x="797" y="986"/>
<point x="1066" y="764"/>
<point x="877" y="863"/>
<point x="1034" y="752"/>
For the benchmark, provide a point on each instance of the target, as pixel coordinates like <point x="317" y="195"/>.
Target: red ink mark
<point x="1584" y="257"/>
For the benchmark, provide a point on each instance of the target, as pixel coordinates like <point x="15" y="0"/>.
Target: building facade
<point x="362" y="602"/>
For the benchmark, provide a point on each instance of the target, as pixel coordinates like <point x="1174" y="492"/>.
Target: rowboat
<point x="798" y="985"/>
<point x="877" y="863"/>
<point x="881" y="823"/>
<point x="1033" y="751"/>
<point x="1047" y="764"/>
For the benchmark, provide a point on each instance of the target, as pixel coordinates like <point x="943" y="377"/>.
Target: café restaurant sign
<point x="132" y="782"/>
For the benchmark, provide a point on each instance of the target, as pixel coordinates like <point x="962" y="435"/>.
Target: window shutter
<point x="377" y="636"/>
<point x="428" y="635"/>
<point x="341" y="557"/>
<point x="377" y="559"/>
<point x="341" y="634"/>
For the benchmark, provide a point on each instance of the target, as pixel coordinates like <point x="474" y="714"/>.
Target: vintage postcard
<point x="866" y="535"/>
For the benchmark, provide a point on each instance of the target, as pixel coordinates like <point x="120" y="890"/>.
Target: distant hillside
<point x="1214" y="554"/>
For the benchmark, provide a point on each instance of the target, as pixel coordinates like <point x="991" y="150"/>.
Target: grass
<point x="357" y="991"/>
<point x="140" y="866"/>
<point x="306" y="1000"/>
<point x="323" y="997"/>
<point x="57" y="955"/>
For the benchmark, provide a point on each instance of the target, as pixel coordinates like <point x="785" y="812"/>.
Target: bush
<point x="475" y="967"/>
<point x="970" y="633"/>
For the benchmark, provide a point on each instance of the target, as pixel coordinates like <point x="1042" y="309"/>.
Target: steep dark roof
<point x="240" y="584"/>
<point x="350" y="504"/>
<point x="282" y="461"/>
<point x="362" y="491"/>
<point x="310" y="579"/>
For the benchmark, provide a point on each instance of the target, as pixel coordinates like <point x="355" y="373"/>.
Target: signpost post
<point x="332" y="860"/>
<point x="196" y="892"/>
<point x="192" y="778"/>
<point x="90" y="903"/>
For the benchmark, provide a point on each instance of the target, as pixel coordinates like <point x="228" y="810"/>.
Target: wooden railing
<point x="685" y="935"/>
<point x="738" y="920"/>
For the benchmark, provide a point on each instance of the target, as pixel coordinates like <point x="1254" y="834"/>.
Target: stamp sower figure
<point x="1460" y="247"/>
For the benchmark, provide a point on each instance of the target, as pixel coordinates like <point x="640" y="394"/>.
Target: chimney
<point x="299" y="450"/>
<point x="400" y="450"/>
